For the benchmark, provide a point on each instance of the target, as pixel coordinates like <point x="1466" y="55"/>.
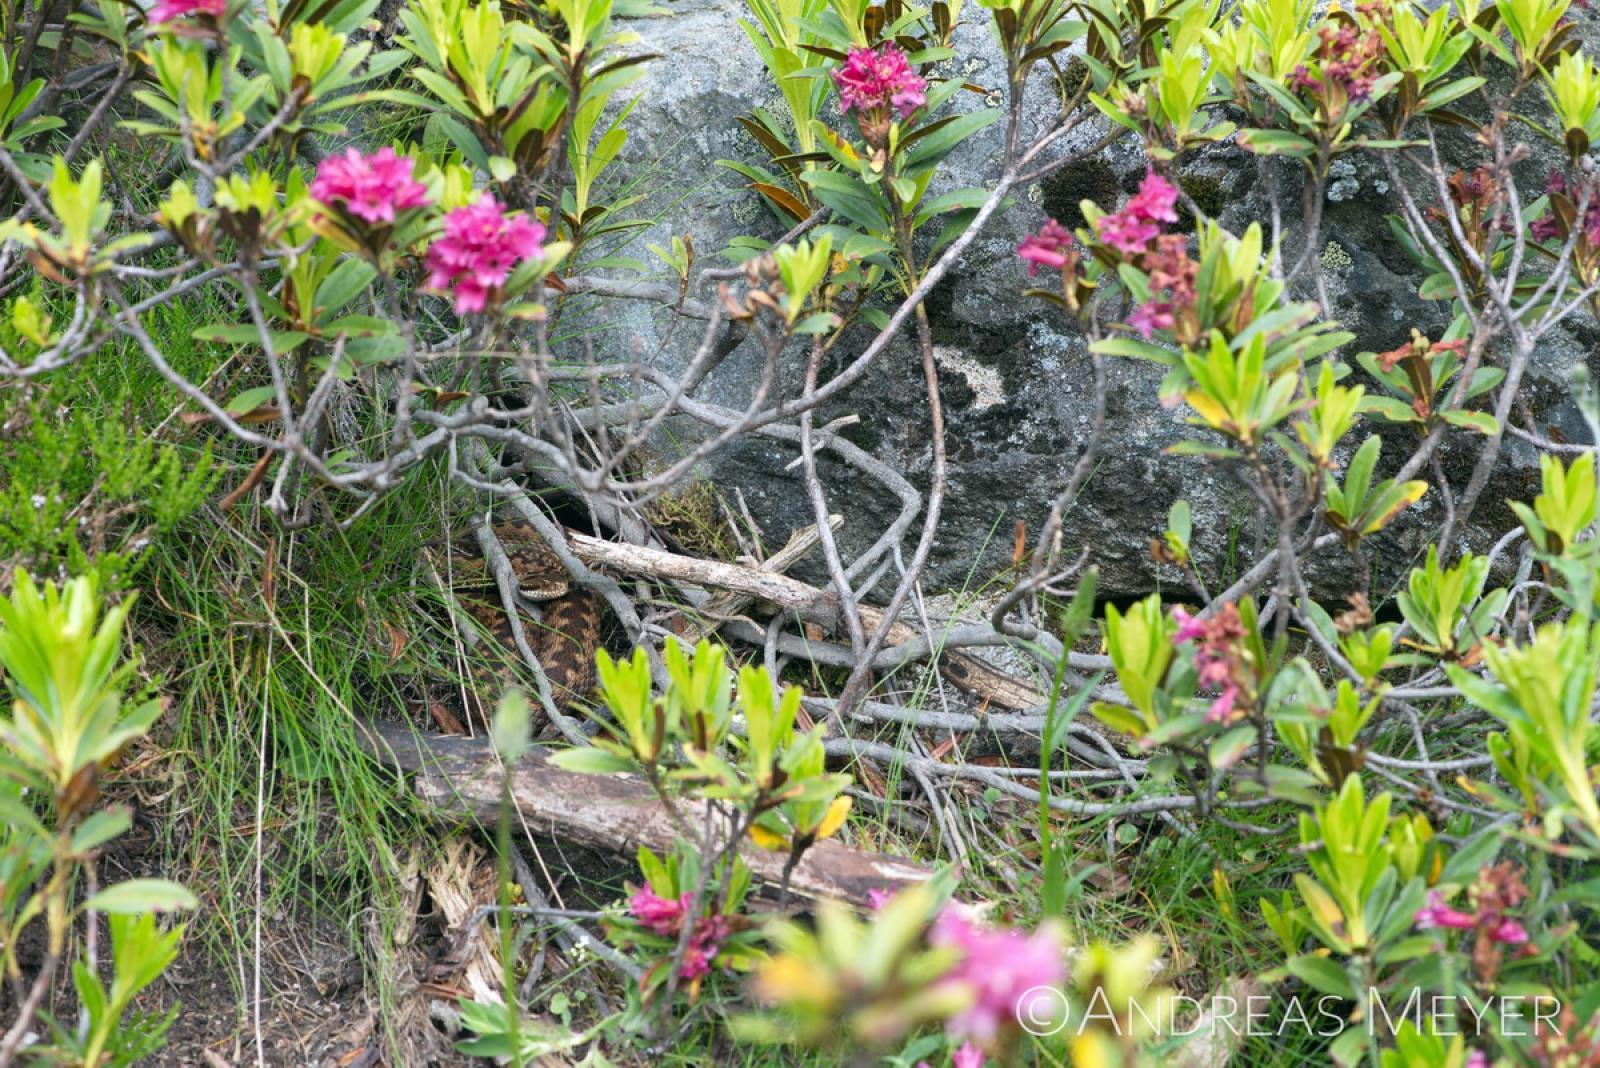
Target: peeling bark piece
<point x="461" y="778"/>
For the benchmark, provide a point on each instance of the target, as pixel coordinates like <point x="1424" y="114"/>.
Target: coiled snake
<point x="565" y="639"/>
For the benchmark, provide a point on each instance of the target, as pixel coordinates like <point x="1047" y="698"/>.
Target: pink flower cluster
<point x="480" y="247"/>
<point x="1347" y="61"/>
<point x="372" y="188"/>
<point x="168" y="10"/>
<point x="1497" y="890"/>
<point x="876" y="80"/>
<point x="1173" y="275"/>
<point x="1436" y="915"/>
<point x="1130" y="231"/>
<point x="1216" y="655"/>
<point x="1047" y="248"/>
<point x="661" y="915"/>
<point x="968" y="1056"/>
<point x="1131" y="228"/>
<point x="1010" y="974"/>
<point x="664" y="917"/>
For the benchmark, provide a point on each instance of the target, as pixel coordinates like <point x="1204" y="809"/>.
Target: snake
<point x="566" y="636"/>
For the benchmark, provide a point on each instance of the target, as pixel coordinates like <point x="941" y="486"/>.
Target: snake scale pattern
<point x="567" y="636"/>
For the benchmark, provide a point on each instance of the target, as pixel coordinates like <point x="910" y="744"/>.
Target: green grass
<point x="268" y="643"/>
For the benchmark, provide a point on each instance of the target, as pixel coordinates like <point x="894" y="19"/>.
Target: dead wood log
<point x="720" y="607"/>
<point x="461" y="780"/>
<point x="808" y="602"/>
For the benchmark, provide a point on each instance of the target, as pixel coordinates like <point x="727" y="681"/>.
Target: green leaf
<point x="1139" y="350"/>
<point x="936" y="146"/>
<point x="101" y="827"/>
<point x="502" y="169"/>
<point x="511" y="729"/>
<point x="1276" y="143"/>
<point x="591" y="761"/>
<point x="1200" y="448"/>
<point x="1118" y="718"/>
<point x="343" y="283"/>
<point x="142" y="895"/>
<point x="283" y="341"/>
<point x="1227" y="750"/>
<point x="1482" y="422"/>
<point x="1391" y="409"/>
<point x="1323" y="975"/>
<point x="251" y="399"/>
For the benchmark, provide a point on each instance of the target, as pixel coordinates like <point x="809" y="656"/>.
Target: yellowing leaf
<point x="1213" y="413"/>
<point x="787" y="977"/>
<point x="1094" y="1050"/>
<point x="837" y="813"/>
<point x="1320" y="902"/>
<point x="764" y="838"/>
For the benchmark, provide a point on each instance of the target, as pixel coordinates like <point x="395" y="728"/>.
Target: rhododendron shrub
<point x="1359" y="679"/>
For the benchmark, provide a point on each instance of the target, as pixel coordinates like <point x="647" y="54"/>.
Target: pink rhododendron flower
<point x="1157" y="199"/>
<point x="1173" y="276"/>
<point x="662" y="915"/>
<point x="1003" y="968"/>
<point x="1151" y="316"/>
<point x="1047" y="248"/>
<point x="1125" y="232"/>
<point x="1221" y="709"/>
<point x="1136" y="223"/>
<point x="1488" y="920"/>
<point x="1548" y="226"/>
<point x="968" y="1056"/>
<point x="1477" y="1059"/>
<point x="704" y="945"/>
<point x="1436" y="914"/>
<point x="372" y="188"/>
<point x="1217" y="656"/>
<point x="480" y="247"/>
<point x="167" y="10"/>
<point x="876" y="80"/>
<point x="1189" y="628"/>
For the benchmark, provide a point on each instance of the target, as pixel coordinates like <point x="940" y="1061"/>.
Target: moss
<point x="1090" y="179"/>
<point x="690" y="515"/>
<point x="862" y="437"/>
<point x="1206" y="192"/>
<point x="1072" y="79"/>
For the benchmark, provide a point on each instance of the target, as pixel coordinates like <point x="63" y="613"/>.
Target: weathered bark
<point x="461" y="779"/>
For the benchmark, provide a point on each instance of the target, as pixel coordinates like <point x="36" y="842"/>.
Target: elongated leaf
<point x="142" y="895"/>
<point x="246" y="334"/>
<point x="591" y="761"/>
<point x="101" y="827"/>
<point x="1276" y="143"/>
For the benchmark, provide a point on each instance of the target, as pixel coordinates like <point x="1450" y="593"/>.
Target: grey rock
<point x="1016" y="379"/>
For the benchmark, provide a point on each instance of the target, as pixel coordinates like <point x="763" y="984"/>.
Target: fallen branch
<point x="806" y="601"/>
<point x="461" y="779"/>
<point x="723" y="606"/>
